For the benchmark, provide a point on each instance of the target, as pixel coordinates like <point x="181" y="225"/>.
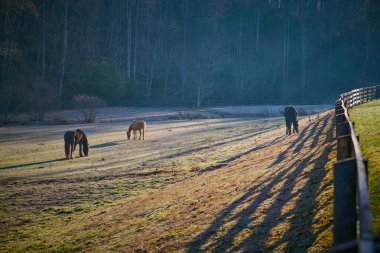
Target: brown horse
<point x="137" y="125"/>
<point x="72" y="139"/>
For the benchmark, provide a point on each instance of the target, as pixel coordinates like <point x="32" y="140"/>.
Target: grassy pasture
<point x="212" y="184"/>
<point x="367" y="125"/>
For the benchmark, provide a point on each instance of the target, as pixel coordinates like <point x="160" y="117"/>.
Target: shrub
<point x="59" y="120"/>
<point x="187" y="115"/>
<point x="88" y="105"/>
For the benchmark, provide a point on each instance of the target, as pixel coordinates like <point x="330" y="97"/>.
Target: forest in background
<point x="186" y="52"/>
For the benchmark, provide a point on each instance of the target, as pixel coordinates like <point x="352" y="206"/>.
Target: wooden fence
<point x="353" y="230"/>
<point x="360" y="96"/>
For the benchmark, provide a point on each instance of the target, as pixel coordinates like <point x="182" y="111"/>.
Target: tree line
<point x="187" y="52"/>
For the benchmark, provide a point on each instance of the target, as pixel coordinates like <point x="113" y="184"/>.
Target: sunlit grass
<point x="161" y="194"/>
<point x="41" y="195"/>
<point x="367" y="125"/>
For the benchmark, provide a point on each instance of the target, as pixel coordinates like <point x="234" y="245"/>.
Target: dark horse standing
<point x="291" y="118"/>
<point x="72" y="139"/>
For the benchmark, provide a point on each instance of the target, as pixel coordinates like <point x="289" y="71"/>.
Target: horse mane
<point x="84" y="140"/>
<point x="130" y="128"/>
<point x="80" y="131"/>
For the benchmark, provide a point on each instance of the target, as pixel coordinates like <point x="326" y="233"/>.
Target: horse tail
<point x="66" y="137"/>
<point x="67" y="148"/>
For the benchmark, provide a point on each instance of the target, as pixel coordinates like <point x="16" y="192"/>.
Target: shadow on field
<point x="31" y="164"/>
<point x="106" y="144"/>
<point x="257" y="220"/>
<point x="253" y="149"/>
<point x="221" y="142"/>
<point x="229" y="160"/>
<point x="299" y="143"/>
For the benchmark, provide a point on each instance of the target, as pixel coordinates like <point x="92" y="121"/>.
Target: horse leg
<point x="67" y="149"/>
<point x="134" y="134"/>
<point x="72" y="150"/>
<point x="287" y="127"/>
<point x="140" y="134"/>
<point x="296" y="126"/>
<point x="80" y="149"/>
<point x="143" y="133"/>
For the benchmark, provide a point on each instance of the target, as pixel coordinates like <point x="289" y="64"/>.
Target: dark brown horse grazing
<point x="291" y="118"/>
<point x="72" y="139"/>
<point x="137" y="125"/>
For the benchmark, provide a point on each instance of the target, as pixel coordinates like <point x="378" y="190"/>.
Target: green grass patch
<point x="367" y="125"/>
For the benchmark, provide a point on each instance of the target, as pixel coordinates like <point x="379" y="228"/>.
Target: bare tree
<point x="63" y="61"/>
<point x="88" y="106"/>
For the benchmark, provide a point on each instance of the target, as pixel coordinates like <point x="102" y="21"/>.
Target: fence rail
<point x="353" y="231"/>
<point x="359" y="96"/>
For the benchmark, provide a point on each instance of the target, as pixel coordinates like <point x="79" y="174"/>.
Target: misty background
<point x="187" y="52"/>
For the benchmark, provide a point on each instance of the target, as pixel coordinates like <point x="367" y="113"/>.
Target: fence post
<point x="352" y="214"/>
<point x="339" y="109"/>
<point x="344" y="147"/>
<point x="345" y="201"/>
<point x="342" y="129"/>
<point x="340" y="118"/>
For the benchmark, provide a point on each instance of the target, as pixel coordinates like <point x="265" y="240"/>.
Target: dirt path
<point x="234" y="185"/>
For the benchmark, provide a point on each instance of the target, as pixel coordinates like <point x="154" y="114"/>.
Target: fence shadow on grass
<point x="299" y="143"/>
<point x="31" y="164"/>
<point x="296" y="233"/>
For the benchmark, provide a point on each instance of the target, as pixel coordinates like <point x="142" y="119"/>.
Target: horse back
<point x="69" y="136"/>
<point x="290" y="113"/>
<point x="142" y="124"/>
<point x="138" y="125"/>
